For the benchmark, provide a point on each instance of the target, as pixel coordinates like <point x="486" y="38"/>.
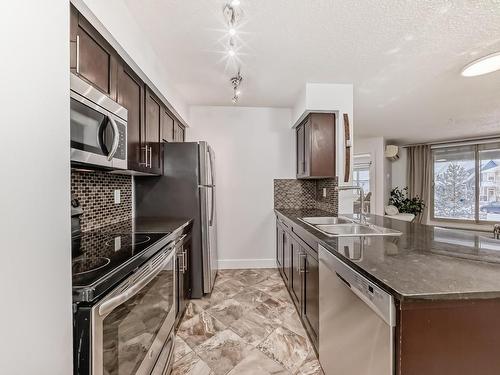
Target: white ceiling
<point x="403" y="57"/>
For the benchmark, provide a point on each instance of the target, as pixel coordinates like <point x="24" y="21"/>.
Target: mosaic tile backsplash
<point x="306" y="194"/>
<point x="95" y="191"/>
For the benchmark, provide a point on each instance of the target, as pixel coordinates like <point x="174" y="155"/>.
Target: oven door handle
<point x="116" y="140"/>
<point x="116" y="301"/>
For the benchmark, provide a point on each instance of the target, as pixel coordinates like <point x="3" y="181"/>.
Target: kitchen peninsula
<point x="445" y="285"/>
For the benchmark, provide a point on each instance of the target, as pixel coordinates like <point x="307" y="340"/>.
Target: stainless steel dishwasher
<point x="356" y="321"/>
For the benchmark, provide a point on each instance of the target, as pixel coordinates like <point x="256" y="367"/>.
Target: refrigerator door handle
<point x="211" y="222"/>
<point x="210" y="161"/>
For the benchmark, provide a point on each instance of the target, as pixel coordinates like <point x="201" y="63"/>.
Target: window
<point x="361" y="176"/>
<point x="466" y="183"/>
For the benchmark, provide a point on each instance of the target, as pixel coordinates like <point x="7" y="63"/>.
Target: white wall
<point x="35" y="246"/>
<point x="399" y="169"/>
<point x="380" y="171"/>
<point x="253" y="146"/>
<point x="113" y="19"/>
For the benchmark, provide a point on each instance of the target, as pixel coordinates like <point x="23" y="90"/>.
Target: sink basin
<point x="355" y="229"/>
<point x="328" y="220"/>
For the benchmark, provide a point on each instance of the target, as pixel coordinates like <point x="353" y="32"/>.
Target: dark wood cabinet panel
<point x="130" y="94"/>
<point x="316" y="150"/>
<point x="311" y="295"/>
<point x="178" y="132"/>
<point x="300" y="150"/>
<point x="153" y="112"/>
<point x="279" y="247"/>
<point x="167" y="126"/>
<point x="296" y="273"/>
<point x="448" y="337"/>
<point x="287" y="256"/>
<point x="92" y="58"/>
<point x="182" y="277"/>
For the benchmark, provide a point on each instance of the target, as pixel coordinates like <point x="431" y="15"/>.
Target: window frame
<point x="477" y="192"/>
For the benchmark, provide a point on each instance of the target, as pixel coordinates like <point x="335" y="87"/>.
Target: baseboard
<point x="229" y="264"/>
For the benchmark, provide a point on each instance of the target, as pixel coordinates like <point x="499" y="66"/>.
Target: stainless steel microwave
<point x="98" y="128"/>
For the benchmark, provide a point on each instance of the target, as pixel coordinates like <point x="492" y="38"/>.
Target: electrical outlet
<point x="117" y="196"/>
<point x="324" y="192"/>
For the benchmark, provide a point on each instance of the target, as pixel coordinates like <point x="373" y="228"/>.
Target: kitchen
<point x="203" y="232"/>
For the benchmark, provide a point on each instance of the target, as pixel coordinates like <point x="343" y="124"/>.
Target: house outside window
<point x="466" y="182"/>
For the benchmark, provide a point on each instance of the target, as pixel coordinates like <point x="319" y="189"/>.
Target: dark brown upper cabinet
<point x="149" y="121"/>
<point x="92" y="57"/>
<point x="130" y="92"/>
<point x="316" y="146"/>
<point x="178" y="132"/>
<point x="153" y="112"/>
<point x="167" y="126"/>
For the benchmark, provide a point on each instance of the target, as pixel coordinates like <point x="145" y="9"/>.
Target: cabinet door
<point x="322" y="145"/>
<point x="300" y="150"/>
<point x="287" y="256"/>
<point x="92" y="58"/>
<point x="310" y="309"/>
<point x="307" y="148"/>
<point x="153" y="125"/>
<point x="279" y="247"/>
<point x="186" y="249"/>
<point x="296" y="273"/>
<point x="130" y="94"/>
<point x="167" y="126"/>
<point x="178" y="132"/>
<point x="179" y="282"/>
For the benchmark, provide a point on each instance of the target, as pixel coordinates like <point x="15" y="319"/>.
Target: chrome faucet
<point x="362" y="219"/>
<point x="496" y="231"/>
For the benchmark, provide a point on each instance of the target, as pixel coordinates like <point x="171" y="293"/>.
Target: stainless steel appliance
<point x="98" y="128"/>
<point x="124" y="297"/>
<point x="356" y="321"/>
<point x="186" y="189"/>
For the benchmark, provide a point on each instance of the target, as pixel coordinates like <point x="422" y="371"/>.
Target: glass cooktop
<point x="102" y="258"/>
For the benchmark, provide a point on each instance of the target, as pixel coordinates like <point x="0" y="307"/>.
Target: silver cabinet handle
<point x="181" y="265"/>
<point x="150" y="156"/>
<point x="78" y="54"/>
<point x="302" y="263"/>
<point x="116" y="140"/>
<point x="145" y="163"/>
<point x="184" y="262"/>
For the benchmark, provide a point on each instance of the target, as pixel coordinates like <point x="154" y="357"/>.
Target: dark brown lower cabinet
<point x="279" y="247"/>
<point x="299" y="268"/>
<point x="183" y="285"/>
<point x="295" y="282"/>
<point x="310" y="305"/>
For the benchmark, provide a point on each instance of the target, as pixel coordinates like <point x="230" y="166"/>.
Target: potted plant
<point x="399" y="198"/>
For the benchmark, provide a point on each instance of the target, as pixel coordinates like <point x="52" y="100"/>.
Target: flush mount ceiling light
<point x="484" y="65"/>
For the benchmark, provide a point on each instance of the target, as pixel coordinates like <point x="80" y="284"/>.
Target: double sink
<point x="344" y="227"/>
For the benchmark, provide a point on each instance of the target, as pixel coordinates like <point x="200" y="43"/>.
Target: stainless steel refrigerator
<point x="187" y="190"/>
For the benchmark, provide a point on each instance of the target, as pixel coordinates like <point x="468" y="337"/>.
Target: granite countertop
<point x="425" y="262"/>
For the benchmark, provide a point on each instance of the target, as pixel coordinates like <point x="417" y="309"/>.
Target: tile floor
<point x="248" y="325"/>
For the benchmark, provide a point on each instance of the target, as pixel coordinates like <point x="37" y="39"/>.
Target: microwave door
<point x="93" y="135"/>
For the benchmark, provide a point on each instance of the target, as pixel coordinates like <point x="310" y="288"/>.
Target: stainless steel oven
<point x="132" y="327"/>
<point x="98" y="128"/>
